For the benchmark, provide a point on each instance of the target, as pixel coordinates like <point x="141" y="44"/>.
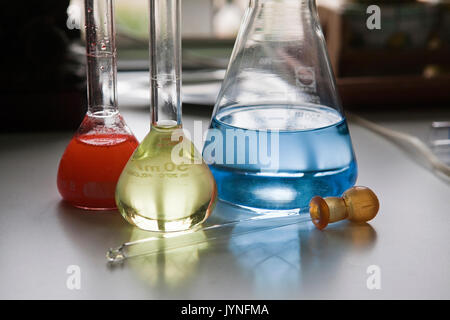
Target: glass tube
<point x="165" y="62"/>
<point x="101" y="56"/>
<point x="212" y="234"/>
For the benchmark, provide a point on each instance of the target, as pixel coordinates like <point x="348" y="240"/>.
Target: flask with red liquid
<point x="94" y="159"/>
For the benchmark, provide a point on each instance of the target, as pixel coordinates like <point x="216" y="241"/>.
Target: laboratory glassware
<point x="166" y="186"/>
<point x="358" y="204"/>
<point x="435" y="154"/>
<point x="439" y="140"/>
<point x="278" y="135"/>
<point x="96" y="155"/>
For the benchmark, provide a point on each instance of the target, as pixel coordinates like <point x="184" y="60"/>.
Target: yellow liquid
<point x="166" y="186"/>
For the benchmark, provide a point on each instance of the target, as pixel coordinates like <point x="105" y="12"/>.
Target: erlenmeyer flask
<point x="278" y="136"/>
<point x="95" y="157"/>
<point x="165" y="186"/>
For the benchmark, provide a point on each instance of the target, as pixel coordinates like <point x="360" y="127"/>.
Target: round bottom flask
<point x="93" y="160"/>
<point x="166" y="186"/>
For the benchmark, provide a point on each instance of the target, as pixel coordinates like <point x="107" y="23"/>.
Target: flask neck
<point x="285" y="13"/>
<point x="101" y="57"/>
<point x="165" y="62"/>
<point x="282" y="2"/>
<point x="305" y="5"/>
<point x="279" y="58"/>
<point x="281" y="20"/>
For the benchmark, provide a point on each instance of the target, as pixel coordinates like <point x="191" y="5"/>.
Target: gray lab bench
<point x="40" y="236"/>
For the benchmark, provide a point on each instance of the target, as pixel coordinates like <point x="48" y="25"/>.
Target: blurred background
<point x="405" y="65"/>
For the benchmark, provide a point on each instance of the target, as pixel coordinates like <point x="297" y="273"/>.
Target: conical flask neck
<point x="283" y="18"/>
<point x="303" y="6"/>
<point x="300" y="3"/>
<point x="280" y="58"/>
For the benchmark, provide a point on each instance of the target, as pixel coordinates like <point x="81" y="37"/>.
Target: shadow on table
<point x="325" y="253"/>
<point x="93" y="231"/>
<point x="290" y="260"/>
<point x="170" y="264"/>
<point x="269" y="264"/>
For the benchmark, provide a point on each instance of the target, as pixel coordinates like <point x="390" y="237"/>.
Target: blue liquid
<point x="310" y="154"/>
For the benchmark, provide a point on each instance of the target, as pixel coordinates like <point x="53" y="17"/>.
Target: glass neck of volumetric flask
<point x="165" y="63"/>
<point x="101" y="58"/>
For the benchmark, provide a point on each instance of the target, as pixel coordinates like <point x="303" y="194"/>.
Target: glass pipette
<point x="213" y="233"/>
<point x="357" y="204"/>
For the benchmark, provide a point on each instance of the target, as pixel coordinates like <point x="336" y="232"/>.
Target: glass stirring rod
<point x="209" y="234"/>
<point x="358" y="204"/>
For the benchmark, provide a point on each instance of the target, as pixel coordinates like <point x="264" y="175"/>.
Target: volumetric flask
<point x="166" y="186"/>
<point x="278" y="135"/>
<point x="93" y="160"/>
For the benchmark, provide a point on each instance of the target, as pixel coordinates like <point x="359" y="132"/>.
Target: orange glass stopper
<point x="357" y="204"/>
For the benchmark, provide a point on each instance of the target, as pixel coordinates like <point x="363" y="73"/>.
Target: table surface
<point x="41" y="236"/>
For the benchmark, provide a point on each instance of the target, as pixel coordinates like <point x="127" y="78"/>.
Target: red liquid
<point x="90" y="168"/>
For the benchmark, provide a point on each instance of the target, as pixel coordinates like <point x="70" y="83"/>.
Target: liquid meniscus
<point x="278" y="157"/>
<point x="90" y="167"/>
